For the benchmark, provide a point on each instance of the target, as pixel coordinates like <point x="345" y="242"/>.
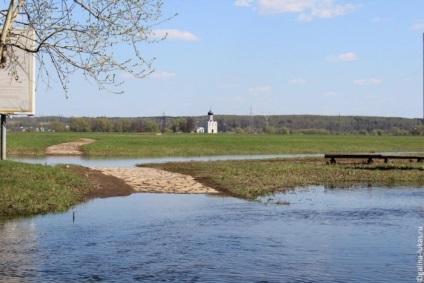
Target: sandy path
<point x="69" y="148"/>
<point x="157" y="181"/>
<point x="140" y="179"/>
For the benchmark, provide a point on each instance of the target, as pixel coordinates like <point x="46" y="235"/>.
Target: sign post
<point x="17" y="80"/>
<point x="3" y="137"/>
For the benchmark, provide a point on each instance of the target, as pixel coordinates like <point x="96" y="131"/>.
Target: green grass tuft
<point x="29" y="189"/>
<point x="249" y="179"/>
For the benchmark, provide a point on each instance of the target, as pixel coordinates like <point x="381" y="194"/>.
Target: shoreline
<point x="182" y="181"/>
<point x="149" y="180"/>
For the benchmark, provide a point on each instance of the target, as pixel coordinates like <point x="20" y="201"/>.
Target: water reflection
<point x="130" y="162"/>
<point x="18" y="244"/>
<point x="324" y="235"/>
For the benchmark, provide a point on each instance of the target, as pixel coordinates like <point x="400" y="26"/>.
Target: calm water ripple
<point x="131" y="162"/>
<point x="324" y="235"/>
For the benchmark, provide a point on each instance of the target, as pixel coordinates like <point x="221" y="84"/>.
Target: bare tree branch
<point x="82" y="36"/>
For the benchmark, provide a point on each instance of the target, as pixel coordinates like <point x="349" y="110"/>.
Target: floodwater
<point x="130" y="162"/>
<point x="323" y="235"/>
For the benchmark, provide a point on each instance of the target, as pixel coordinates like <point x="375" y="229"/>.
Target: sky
<point x="269" y="57"/>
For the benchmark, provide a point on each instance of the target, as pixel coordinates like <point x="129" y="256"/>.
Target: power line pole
<point x="338" y="131"/>
<point x="251" y="120"/>
<point x="163" y="123"/>
<point x="266" y="116"/>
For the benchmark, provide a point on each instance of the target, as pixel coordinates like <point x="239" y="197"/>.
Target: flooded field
<point x="130" y="162"/>
<point x="321" y="235"/>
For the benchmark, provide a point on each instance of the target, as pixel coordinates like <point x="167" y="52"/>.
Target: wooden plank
<point x="410" y="157"/>
<point x="353" y="156"/>
<point x="403" y="157"/>
<point x="370" y="157"/>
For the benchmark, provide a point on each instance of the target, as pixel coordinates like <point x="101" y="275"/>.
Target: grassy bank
<point x="137" y="145"/>
<point x="28" y="189"/>
<point x="35" y="143"/>
<point x="252" y="178"/>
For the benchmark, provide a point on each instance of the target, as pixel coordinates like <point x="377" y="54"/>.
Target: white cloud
<point x="161" y="75"/>
<point x="175" y="34"/>
<point x="259" y="90"/>
<point x="298" y="81"/>
<point x="371" y="81"/>
<point x="306" y="9"/>
<point x="243" y="3"/>
<point x="330" y="93"/>
<point x="376" y="19"/>
<point x="345" y="57"/>
<point x="127" y="76"/>
<point x="418" y="26"/>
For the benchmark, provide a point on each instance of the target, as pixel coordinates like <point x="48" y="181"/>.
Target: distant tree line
<point x="275" y="124"/>
<point x="319" y="125"/>
<point x="103" y="124"/>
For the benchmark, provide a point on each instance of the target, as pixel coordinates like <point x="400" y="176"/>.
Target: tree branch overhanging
<point x="85" y="36"/>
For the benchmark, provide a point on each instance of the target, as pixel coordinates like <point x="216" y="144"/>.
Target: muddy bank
<point x="102" y="186"/>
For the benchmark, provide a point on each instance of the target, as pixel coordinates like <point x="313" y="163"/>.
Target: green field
<point x="55" y="189"/>
<point x="249" y="179"/>
<point x="142" y="145"/>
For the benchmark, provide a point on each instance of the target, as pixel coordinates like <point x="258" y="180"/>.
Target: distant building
<point x="212" y="125"/>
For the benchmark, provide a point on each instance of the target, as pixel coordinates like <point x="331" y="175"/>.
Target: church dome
<point x="210" y="112"/>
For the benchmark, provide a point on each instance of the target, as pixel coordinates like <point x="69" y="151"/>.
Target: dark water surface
<point x="324" y="235"/>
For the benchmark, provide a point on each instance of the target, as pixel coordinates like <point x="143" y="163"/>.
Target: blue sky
<point x="321" y="57"/>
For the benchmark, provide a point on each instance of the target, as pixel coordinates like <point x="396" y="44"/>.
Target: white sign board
<point x="17" y="79"/>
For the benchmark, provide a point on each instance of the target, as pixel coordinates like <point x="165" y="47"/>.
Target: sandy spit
<point x="69" y="148"/>
<point x="157" y="181"/>
<point x="140" y="179"/>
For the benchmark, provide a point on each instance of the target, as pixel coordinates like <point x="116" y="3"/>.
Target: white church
<point x="211" y="127"/>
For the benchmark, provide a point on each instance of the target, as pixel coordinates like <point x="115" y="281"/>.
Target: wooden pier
<point x="370" y="157"/>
